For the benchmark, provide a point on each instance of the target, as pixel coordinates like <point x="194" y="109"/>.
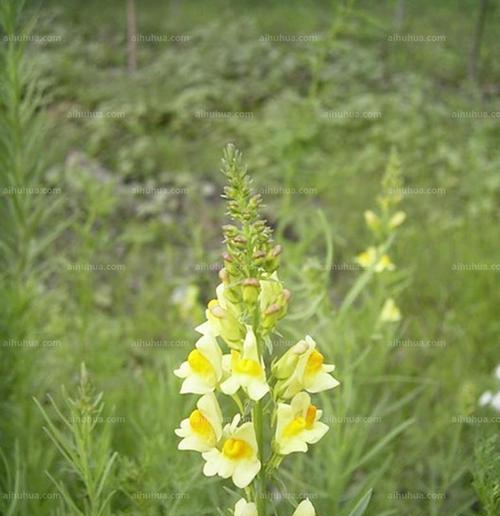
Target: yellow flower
<point x="298" y="425"/>
<point x="202" y="371"/>
<point x="397" y="219"/>
<point x="372" y="220"/>
<point x="371" y="258"/>
<point x="305" y="508"/>
<point x="236" y="457"/>
<point x="244" y="508"/>
<point x="310" y="374"/>
<point x="390" y="312"/>
<point x="202" y="430"/>
<point x="246" y="370"/>
<point x="222" y="320"/>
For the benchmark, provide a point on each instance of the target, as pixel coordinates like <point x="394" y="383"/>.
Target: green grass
<point x="134" y="325"/>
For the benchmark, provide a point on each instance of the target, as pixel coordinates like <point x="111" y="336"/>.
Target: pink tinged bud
<point x="276" y="251"/>
<point x="259" y="256"/>
<point x="224" y="276"/>
<point x="272" y="309"/>
<point x="300" y="348"/>
<point x="251" y="288"/>
<point x="217" y="311"/>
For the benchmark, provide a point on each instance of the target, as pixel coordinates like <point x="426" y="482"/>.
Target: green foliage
<point x="85" y="448"/>
<point x="486" y="473"/>
<point x="317" y="173"/>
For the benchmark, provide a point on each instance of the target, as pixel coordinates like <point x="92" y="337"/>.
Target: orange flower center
<point x="236" y="449"/>
<point x="300" y="423"/>
<point x="200" y="425"/>
<point x="199" y="363"/>
<point x="314" y="362"/>
<point x="245" y="365"/>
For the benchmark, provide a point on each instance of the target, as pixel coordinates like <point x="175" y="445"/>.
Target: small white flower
<point x="497" y="372"/>
<point x="305" y="508"/>
<point x="202" y="430"/>
<point x="202" y="371"/>
<point x="236" y="457"/>
<point x="244" y="508"/>
<point x="298" y="425"/>
<point x="246" y="370"/>
<point x="495" y="402"/>
<point x="485" y="398"/>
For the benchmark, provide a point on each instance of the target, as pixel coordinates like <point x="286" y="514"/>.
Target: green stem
<point x="259" y="432"/>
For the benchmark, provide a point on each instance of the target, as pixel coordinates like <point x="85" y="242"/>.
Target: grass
<point x="155" y="254"/>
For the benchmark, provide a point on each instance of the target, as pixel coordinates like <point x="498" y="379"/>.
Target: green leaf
<point x="362" y="504"/>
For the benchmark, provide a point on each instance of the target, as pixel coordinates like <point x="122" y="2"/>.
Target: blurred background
<point x="116" y="113"/>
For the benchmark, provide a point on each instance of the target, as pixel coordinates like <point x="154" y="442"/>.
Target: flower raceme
<point x="233" y="357"/>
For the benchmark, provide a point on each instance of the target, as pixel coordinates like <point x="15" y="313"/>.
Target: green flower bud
<point x="286" y="365"/>
<point x="251" y="289"/>
<point x="273" y="258"/>
<point x="227" y="325"/>
<point x="259" y="257"/>
<point x="271" y="316"/>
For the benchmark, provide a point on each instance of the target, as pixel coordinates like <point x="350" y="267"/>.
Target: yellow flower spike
<point x="202" y="371"/>
<point x="390" y="312"/>
<point x="237" y="457"/>
<point x="245" y="370"/>
<point x="244" y="508"/>
<point x="298" y="425"/>
<point x="202" y="430"/>
<point x="310" y="374"/>
<point x="305" y="508"/>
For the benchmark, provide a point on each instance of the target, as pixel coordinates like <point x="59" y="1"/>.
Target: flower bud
<point x="239" y="241"/>
<point x="224" y="276"/>
<point x="285" y="366"/>
<point x="251" y="289"/>
<point x="226" y="324"/>
<point x="272" y="259"/>
<point x="271" y="316"/>
<point x="229" y="264"/>
<point x="372" y="220"/>
<point x="397" y="219"/>
<point x="259" y="257"/>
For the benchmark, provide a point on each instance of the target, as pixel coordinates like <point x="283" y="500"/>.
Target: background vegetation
<point x="113" y="266"/>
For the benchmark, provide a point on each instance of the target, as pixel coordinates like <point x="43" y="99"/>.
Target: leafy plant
<point x="85" y="449"/>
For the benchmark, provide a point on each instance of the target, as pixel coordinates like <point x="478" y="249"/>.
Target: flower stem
<point x="259" y="432"/>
